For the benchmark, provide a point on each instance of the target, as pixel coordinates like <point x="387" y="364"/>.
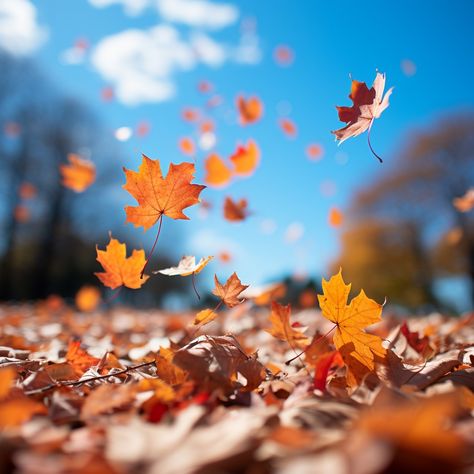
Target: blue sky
<point x="330" y="40"/>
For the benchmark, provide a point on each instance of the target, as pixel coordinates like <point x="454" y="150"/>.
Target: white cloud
<point x="20" y="33"/>
<point x="194" y="13"/>
<point x="198" y="13"/>
<point x="141" y="64"/>
<point x="131" y="7"/>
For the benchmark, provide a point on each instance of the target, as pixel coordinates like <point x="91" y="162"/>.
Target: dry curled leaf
<point x="216" y="360"/>
<point x="120" y="269"/>
<point x="186" y="266"/>
<point x="368" y="104"/>
<point x="230" y="291"/>
<point x="235" y="211"/>
<point x="79" y="174"/>
<point x="159" y="196"/>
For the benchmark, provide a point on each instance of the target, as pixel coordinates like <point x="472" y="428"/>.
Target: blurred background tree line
<point x="48" y="238"/>
<point x="403" y="232"/>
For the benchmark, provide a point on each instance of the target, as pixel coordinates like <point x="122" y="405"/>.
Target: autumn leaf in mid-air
<point x="87" y="298"/>
<point x="358" y="348"/>
<point x="250" y="110"/>
<point x="281" y="327"/>
<point x="159" y="196"/>
<point x="79" y="174"/>
<point x="186" y="266"/>
<point x="186" y="146"/>
<point x="288" y="127"/>
<point x="230" y="291"/>
<point x="465" y="203"/>
<point x="368" y="104"/>
<point x="218" y="173"/>
<point x="336" y="217"/>
<point x="235" y="211"/>
<point x="120" y="270"/>
<point x="246" y="158"/>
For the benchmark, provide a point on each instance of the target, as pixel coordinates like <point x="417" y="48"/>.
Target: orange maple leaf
<point x="336" y="217"/>
<point x="281" y="327"/>
<point x="186" y="146"/>
<point x="250" y="110"/>
<point x="235" y="211"/>
<point x="158" y="196"/>
<point x="87" y="298"/>
<point x="246" y="158"/>
<point x="120" y="270"/>
<point x="230" y="291"/>
<point x="288" y="127"/>
<point x="358" y="348"/>
<point x="218" y="174"/>
<point x="79" y="174"/>
<point x="368" y="104"/>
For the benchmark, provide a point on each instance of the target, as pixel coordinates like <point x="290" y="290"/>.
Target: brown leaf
<point x="230" y="291"/>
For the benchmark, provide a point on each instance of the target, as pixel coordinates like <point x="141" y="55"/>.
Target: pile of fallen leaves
<point x="246" y="386"/>
<point x="252" y="388"/>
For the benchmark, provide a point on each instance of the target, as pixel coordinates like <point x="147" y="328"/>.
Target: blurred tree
<point x="386" y="259"/>
<point x="413" y="200"/>
<point x="53" y="250"/>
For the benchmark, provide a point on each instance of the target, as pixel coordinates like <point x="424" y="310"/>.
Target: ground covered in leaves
<point x="127" y="391"/>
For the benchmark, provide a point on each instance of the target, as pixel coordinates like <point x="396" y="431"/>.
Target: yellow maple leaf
<point x="358" y="348"/>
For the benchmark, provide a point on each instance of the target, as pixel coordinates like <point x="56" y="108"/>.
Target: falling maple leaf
<point x="368" y="104"/>
<point x="336" y="217"/>
<point x="206" y="126"/>
<point x="186" y="266"/>
<point x="79" y="174"/>
<point x="314" y="151"/>
<point x="250" y="110"/>
<point x="87" y="298"/>
<point x="186" y="145"/>
<point x="158" y="196"/>
<point x="204" y="86"/>
<point x="465" y="203"/>
<point x="218" y="173"/>
<point x="229" y="292"/>
<point x="235" y="211"/>
<point x="283" y="55"/>
<point x="246" y="158"/>
<point x="358" y="348"/>
<point x="288" y="127"/>
<point x="281" y="327"/>
<point x="190" y="115"/>
<point x="120" y="270"/>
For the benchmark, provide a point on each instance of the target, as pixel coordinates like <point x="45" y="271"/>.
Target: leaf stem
<point x="80" y="382"/>
<point x="370" y="145"/>
<point x="193" y="280"/>
<point x="288" y="362"/>
<point x="153" y="248"/>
